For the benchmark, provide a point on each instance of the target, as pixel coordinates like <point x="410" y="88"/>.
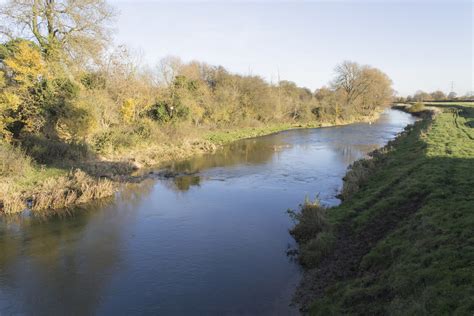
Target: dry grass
<point x="310" y="219"/>
<point x="76" y="188"/>
<point x="58" y="192"/>
<point x="13" y="161"/>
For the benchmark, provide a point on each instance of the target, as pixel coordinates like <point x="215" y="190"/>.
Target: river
<point x="211" y="242"/>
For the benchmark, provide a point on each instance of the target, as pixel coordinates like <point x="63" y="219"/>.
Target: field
<point x="402" y="241"/>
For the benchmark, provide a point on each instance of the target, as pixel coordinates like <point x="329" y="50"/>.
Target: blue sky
<point x="420" y="45"/>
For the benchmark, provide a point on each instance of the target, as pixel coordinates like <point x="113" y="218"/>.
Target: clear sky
<point x="419" y="44"/>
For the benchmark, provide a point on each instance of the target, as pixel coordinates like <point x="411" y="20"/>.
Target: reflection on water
<point x="209" y="242"/>
<point x="349" y="143"/>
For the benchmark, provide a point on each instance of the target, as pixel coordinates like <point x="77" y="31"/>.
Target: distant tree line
<point x="59" y="80"/>
<point x="438" y="95"/>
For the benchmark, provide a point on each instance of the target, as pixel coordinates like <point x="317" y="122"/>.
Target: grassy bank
<point x="62" y="181"/>
<point x="222" y="137"/>
<point x="401" y="242"/>
<point x="26" y="184"/>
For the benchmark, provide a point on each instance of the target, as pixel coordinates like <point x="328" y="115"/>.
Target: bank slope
<point x="403" y="243"/>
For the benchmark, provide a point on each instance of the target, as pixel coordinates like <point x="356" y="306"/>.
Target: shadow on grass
<point x="62" y="155"/>
<point x="402" y="240"/>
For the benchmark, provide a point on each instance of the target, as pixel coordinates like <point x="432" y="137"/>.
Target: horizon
<point x="249" y="38"/>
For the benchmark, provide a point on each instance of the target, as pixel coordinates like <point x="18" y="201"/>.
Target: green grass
<point x="19" y="173"/>
<point x="38" y="175"/>
<point x="24" y="182"/>
<point x="450" y="104"/>
<point x="424" y="264"/>
<point x="222" y="137"/>
<point x="226" y="136"/>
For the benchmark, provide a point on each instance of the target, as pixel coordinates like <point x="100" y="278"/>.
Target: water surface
<point x="212" y="242"/>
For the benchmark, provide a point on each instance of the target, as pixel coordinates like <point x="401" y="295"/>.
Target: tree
<point x="468" y="96"/>
<point x="362" y="87"/>
<point x="421" y="96"/>
<point x="348" y="79"/>
<point x="167" y="69"/>
<point x="23" y="71"/>
<point x="438" y="95"/>
<point x="452" y="95"/>
<point x="75" y="27"/>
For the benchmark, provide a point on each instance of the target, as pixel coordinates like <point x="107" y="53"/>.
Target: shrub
<point x="13" y="161"/>
<point x="49" y="151"/>
<point x="312" y="231"/>
<point x="310" y="221"/>
<point x="128" y="110"/>
<point x="142" y="132"/>
<point x="417" y="107"/>
<point x="159" y="112"/>
<point x="109" y="140"/>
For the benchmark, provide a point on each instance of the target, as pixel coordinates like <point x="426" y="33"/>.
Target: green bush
<point x="50" y="151"/>
<point x="159" y="112"/>
<point x="109" y="140"/>
<point x="143" y="131"/>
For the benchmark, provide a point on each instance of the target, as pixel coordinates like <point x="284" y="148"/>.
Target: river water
<point x="211" y="242"/>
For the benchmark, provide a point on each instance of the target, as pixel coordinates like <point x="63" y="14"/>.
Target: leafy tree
<point x="24" y="72"/>
<point x="25" y="65"/>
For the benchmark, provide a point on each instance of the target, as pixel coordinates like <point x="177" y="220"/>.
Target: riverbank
<point x="59" y="185"/>
<point x="401" y="240"/>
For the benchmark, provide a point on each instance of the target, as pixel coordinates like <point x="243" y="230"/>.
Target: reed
<point x="76" y="187"/>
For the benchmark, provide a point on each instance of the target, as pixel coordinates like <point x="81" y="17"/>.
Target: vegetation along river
<point x="211" y="242"/>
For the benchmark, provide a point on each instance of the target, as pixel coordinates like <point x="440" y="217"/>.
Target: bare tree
<point x="363" y="87"/>
<point x="348" y="79"/>
<point x="77" y="27"/>
<point x="452" y="95"/>
<point x="167" y="69"/>
<point x="421" y="96"/>
<point x="438" y="95"/>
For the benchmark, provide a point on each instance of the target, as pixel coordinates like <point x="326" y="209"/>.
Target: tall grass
<point x="55" y="192"/>
<point x="13" y="165"/>
<point x="357" y="174"/>
<point x="13" y="161"/>
<point x="75" y="188"/>
<point x="312" y="230"/>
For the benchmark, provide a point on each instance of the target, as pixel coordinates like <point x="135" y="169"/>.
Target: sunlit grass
<point x="424" y="265"/>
